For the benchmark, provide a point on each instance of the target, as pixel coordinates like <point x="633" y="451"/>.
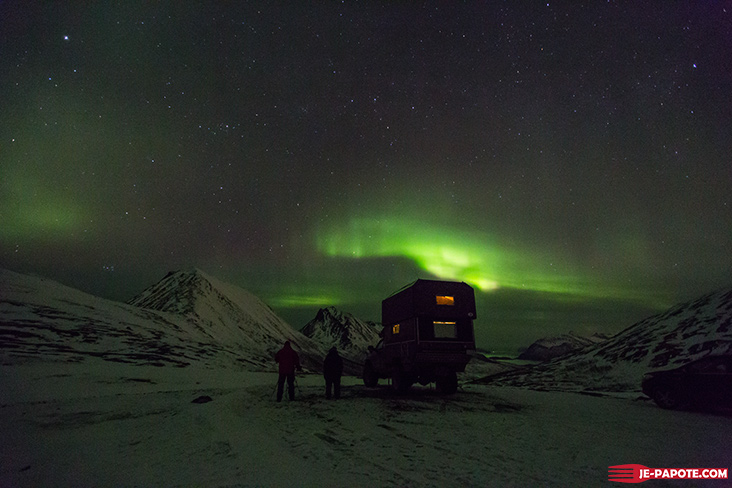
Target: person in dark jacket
<point x="288" y="361"/>
<point x="332" y="370"/>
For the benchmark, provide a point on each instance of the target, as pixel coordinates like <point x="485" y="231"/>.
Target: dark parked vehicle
<point x="704" y="383"/>
<point x="428" y="331"/>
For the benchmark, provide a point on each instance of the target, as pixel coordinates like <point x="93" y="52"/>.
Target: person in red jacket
<point x="288" y="361"/>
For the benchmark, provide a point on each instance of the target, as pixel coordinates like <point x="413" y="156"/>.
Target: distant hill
<point x="683" y="333"/>
<point x="352" y="336"/>
<point x="553" y="347"/>
<point x="332" y="327"/>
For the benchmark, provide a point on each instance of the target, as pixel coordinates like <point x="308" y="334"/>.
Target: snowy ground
<point x="120" y="425"/>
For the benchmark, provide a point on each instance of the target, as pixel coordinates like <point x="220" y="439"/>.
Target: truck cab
<point x="428" y="331"/>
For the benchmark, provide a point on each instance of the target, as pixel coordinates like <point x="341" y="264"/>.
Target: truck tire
<point x="401" y="383"/>
<point x="447" y="384"/>
<point x="370" y="378"/>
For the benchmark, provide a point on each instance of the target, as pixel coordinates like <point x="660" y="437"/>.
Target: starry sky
<point x="569" y="160"/>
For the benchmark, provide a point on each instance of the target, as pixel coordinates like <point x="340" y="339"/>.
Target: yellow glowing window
<point x="445" y="330"/>
<point x="444" y="300"/>
<point x="395" y="329"/>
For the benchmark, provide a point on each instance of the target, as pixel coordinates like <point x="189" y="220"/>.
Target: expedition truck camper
<point x="428" y="331"/>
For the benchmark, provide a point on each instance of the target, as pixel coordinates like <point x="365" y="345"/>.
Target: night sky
<point x="569" y="160"/>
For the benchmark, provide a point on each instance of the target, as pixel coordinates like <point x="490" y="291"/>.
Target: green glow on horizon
<point x="302" y="300"/>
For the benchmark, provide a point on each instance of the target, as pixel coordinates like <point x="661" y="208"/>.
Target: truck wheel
<point x="447" y="384"/>
<point x="401" y="383"/>
<point x="370" y="378"/>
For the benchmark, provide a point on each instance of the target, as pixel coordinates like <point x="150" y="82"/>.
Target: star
<point x="535" y="162"/>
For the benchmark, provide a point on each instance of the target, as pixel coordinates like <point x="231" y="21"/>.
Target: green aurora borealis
<point x="459" y="255"/>
<point x="570" y="161"/>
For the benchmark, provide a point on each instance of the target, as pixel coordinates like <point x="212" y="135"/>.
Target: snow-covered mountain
<point x="683" y="333"/>
<point x="333" y="327"/>
<point x="226" y="314"/>
<point x="352" y="336"/>
<point x="188" y="317"/>
<point x="553" y="347"/>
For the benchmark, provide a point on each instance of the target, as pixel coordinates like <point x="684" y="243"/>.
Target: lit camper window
<point x="445" y="330"/>
<point x="445" y="300"/>
<point x="395" y="329"/>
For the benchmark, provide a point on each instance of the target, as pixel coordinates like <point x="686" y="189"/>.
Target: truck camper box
<point x="429" y="301"/>
<point x="428" y="331"/>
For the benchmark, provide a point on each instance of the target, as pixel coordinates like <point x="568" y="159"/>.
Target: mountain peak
<point x="187" y="272"/>
<point x="333" y="327"/>
<point x="176" y="292"/>
<point x="330" y="312"/>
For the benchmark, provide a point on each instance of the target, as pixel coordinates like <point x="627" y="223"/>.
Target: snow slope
<point x="683" y="333"/>
<point x="41" y="320"/>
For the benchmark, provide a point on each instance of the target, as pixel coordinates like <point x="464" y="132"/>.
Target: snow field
<point x="128" y="425"/>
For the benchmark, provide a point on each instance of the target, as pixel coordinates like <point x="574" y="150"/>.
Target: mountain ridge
<point x="186" y="318"/>
<point x="683" y="333"/>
